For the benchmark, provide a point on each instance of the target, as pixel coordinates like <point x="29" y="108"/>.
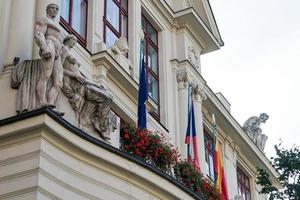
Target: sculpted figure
<point x="39" y="81"/>
<point x="120" y="46"/>
<point x="48" y="37"/>
<point x="194" y="56"/>
<point x="252" y="128"/>
<point x="90" y="101"/>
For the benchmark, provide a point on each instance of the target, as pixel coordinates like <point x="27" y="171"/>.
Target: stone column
<point x="40" y="11"/>
<point x="199" y="95"/>
<point x="183" y="85"/>
<point x="135" y="35"/>
<point x="229" y="160"/>
<point x="20" y="32"/>
<point x="5" y="6"/>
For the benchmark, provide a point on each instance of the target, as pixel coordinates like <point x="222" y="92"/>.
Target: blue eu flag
<point x="143" y="93"/>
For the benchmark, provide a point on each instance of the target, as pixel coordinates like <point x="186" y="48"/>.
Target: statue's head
<point x="52" y="10"/>
<point x="263" y="117"/>
<point x="70" y="41"/>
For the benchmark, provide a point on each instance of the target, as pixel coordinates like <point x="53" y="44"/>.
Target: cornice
<point x="66" y="133"/>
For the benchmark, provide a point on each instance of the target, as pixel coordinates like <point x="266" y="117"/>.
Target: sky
<point x="258" y="68"/>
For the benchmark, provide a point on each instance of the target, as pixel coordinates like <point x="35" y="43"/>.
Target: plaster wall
<point x="20" y="31"/>
<point x="5" y="6"/>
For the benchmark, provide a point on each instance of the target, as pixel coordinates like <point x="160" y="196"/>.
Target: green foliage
<point x="287" y="163"/>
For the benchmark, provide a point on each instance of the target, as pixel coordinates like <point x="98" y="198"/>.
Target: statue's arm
<point x="64" y="55"/>
<point x="39" y="34"/>
<point x="74" y="75"/>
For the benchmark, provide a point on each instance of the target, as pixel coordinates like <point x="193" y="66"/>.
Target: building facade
<point x="42" y="158"/>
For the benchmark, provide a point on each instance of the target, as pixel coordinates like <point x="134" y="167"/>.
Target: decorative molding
<point x="194" y="56"/>
<point x="178" y="25"/>
<point x="183" y="79"/>
<point x="67" y="137"/>
<point x="187" y="4"/>
<point x="198" y="92"/>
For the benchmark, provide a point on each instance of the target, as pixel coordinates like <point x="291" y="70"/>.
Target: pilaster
<point x="183" y="79"/>
<point x="20" y="31"/>
<point x="198" y="96"/>
<point x="100" y="73"/>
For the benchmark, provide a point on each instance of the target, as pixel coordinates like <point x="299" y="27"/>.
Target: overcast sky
<point x="258" y="69"/>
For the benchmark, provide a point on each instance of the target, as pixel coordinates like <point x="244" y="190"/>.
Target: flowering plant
<point x="150" y="147"/>
<point x="191" y="177"/>
<point x="153" y="149"/>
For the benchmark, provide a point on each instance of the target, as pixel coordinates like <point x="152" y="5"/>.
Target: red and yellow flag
<point x="219" y="173"/>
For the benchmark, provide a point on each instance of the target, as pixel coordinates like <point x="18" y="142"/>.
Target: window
<point x="243" y="184"/>
<point x="150" y="52"/>
<point x="115" y="21"/>
<point x="209" y="156"/>
<point x="74" y="18"/>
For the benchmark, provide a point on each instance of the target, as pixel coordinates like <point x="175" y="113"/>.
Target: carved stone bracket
<point x="178" y="25"/>
<point x="198" y="92"/>
<point x="183" y="79"/>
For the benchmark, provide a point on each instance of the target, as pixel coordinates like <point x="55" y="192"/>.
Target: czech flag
<point x="219" y="173"/>
<point x="191" y="140"/>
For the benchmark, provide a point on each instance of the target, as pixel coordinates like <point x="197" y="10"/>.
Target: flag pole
<point x="214" y="128"/>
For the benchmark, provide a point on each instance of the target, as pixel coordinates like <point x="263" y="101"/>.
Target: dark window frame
<point x="107" y="24"/>
<point x="209" y="151"/>
<point x="154" y="45"/>
<point x="243" y="185"/>
<point x="70" y="29"/>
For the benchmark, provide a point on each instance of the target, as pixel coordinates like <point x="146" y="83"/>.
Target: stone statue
<point x="39" y="81"/>
<point x="48" y="37"/>
<point x="252" y="128"/>
<point x="90" y="101"/>
<point x="120" y="46"/>
<point x="194" y="56"/>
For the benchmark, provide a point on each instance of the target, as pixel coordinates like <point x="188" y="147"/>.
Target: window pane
<point x="79" y="16"/>
<point x="124" y="4"/>
<point x="152" y="58"/>
<point x="113" y="14"/>
<point x="247" y="183"/>
<point x="124" y="26"/>
<point x="152" y="34"/>
<point x="65" y="7"/>
<point x="153" y="87"/>
<point x="143" y="24"/>
<point x="211" y="166"/>
<point x="110" y="38"/>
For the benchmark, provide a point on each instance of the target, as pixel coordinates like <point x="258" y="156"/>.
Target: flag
<point x="219" y="173"/>
<point x="191" y="140"/>
<point x="143" y="93"/>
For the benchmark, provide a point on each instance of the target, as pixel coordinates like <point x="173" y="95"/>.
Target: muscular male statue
<point x="48" y="37"/>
